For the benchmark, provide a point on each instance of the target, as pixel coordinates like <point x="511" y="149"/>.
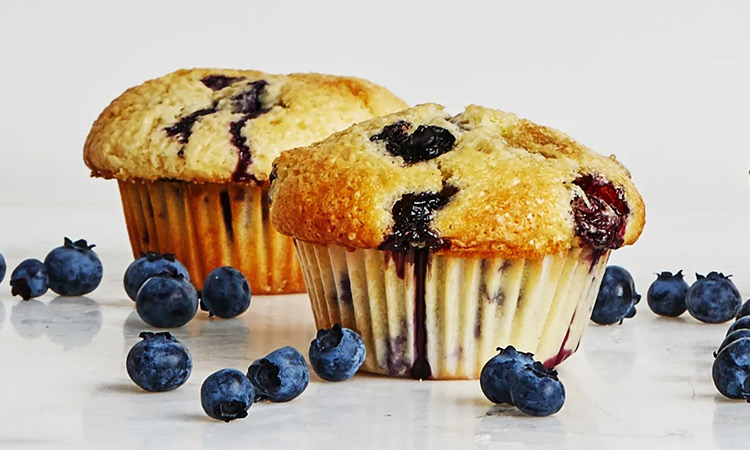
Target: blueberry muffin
<point x="192" y="152"/>
<point x="440" y="238"/>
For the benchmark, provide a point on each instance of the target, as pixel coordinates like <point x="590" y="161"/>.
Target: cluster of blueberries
<point x="165" y="298"/>
<point x="712" y="298"/>
<point x="514" y="378"/>
<point x="731" y="368"/>
<point x="162" y="363"/>
<point x="72" y="269"/>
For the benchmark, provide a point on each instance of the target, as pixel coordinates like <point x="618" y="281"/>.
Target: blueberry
<point x="666" y="295"/>
<point x="167" y="300"/>
<point x="425" y="143"/>
<point x="74" y="269"/>
<point x="739" y="324"/>
<point x="731" y="369"/>
<point x="744" y="310"/>
<point x="616" y="298"/>
<point x="499" y="373"/>
<point x="148" y="265"/>
<point x="731" y="337"/>
<point x="279" y="377"/>
<point x="537" y="391"/>
<point x="600" y="214"/>
<point x="159" y="362"/>
<point x="227" y="395"/>
<point x="713" y="298"/>
<point x="29" y="279"/>
<point x="3" y="267"/>
<point x="225" y="293"/>
<point x="219" y="82"/>
<point x="336" y="354"/>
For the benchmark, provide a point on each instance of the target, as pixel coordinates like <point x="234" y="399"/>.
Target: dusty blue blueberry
<point x="74" y="269"/>
<point x="148" y="265"/>
<point x="713" y="298"/>
<point x="225" y="293"/>
<point x="3" y="267"/>
<point x="159" y="362"/>
<point x="731" y="369"/>
<point x="227" y="395"/>
<point x="666" y="295"/>
<point x="537" y="391"/>
<point x="167" y="300"/>
<point x="29" y="279"/>
<point x="336" y="354"/>
<point x="500" y="371"/>
<point x="279" y="377"/>
<point x="731" y="337"/>
<point x="739" y="324"/>
<point x="744" y="310"/>
<point x="617" y="297"/>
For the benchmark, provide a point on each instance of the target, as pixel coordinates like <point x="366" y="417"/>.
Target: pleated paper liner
<point x="212" y="225"/>
<point x="448" y="323"/>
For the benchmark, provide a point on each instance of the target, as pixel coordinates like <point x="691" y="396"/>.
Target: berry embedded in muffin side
<point x="192" y="153"/>
<point x="439" y="238"/>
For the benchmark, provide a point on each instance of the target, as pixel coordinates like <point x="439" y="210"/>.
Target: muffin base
<point x="212" y="225"/>
<point x="434" y="316"/>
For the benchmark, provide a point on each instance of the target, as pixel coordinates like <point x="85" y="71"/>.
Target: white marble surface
<point x="63" y="384"/>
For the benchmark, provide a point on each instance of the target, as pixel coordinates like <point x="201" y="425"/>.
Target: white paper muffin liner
<point x="470" y="306"/>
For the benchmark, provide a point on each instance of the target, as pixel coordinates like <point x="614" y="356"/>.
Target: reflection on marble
<point x="75" y="321"/>
<point x="2" y="315"/>
<point x="30" y="318"/>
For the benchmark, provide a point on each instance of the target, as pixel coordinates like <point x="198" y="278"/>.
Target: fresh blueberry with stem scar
<point x="227" y="395"/>
<point x="3" y="267"/>
<point x="425" y="143"/>
<point x="159" y="362"/>
<point x="731" y="337"/>
<point x="713" y="298"/>
<point x="225" y="293"/>
<point x="337" y="353"/>
<point x="537" y="391"/>
<point x="499" y="373"/>
<point x="148" y="265"/>
<point x="280" y="376"/>
<point x="74" y="269"/>
<point x="167" y="300"/>
<point x="731" y="370"/>
<point x="744" y="310"/>
<point x="666" y="295"/>
<point x="617" y="297"/>
<point x="29" y="279"/>
<point x="739" y="324"/>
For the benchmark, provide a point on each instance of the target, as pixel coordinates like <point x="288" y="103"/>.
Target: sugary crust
<point x="514" y="179"/>
<point x="129" y="140"/>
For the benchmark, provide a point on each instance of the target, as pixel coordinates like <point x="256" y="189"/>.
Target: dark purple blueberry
<point x="159" y="362"/>
<point x="227" y="395"/>
<point x="226" y="293"/>
<point x="537" y="391"/>
<point x="279" y="377"/>
<point x="744" y="310"/>
<point x="616" y="298"/>
<point x="73" y="269"/>
<point x="167" y="300"/>
<point x="499" y="373"/>
<point x="731" y="370"/>
<point x="337" y="353"/>
<point x="148" y="265"/>
<point x="666" y="295"/>
<point x="743" y="323"/>
<point x="425" y="143"/>
<point x="412" y="215"/>
<point x="3" y="267"/>
<point x="29" y="279"/>
<point x="600" y="216"/>
<point x="713" y="298"/>
<point x="219" y="82"/>
<point x="731" y="337"/>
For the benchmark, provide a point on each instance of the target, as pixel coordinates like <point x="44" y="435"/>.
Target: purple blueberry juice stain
<point x="226" y="213"/>
<point x="248" y="104"/>
<point x="219" y="82"/>
<point x="563" y="353"/>
<point x="345" y="292"/>
<point x="420" y="370"/>
<point x="600" y="218"/>
<point x="425" y="143"/>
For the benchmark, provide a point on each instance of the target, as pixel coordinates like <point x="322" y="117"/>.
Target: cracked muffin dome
<point x="483" y="182"/>
<point x="217" y="125"/>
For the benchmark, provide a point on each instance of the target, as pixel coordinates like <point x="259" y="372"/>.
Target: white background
<point x="662" y="84"/>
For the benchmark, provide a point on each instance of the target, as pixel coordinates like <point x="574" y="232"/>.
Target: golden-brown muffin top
<point x="219" y="125"/>
<point x="483" y="182"/>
